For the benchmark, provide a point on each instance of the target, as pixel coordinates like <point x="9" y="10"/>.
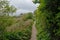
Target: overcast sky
<point x="23" y="6"/>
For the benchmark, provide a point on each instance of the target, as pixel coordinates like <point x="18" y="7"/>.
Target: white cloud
<point x="23" y="5"/>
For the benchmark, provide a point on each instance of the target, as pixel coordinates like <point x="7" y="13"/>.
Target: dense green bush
<point x="24" y="34"/>
<point x="5" y="21"/>
<point x="48" y="20"/>
<point x="26" y="16"/>
<point x="21" y="30"/>
<point x="29" y="15"/>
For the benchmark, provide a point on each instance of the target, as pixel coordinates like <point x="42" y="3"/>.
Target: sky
<point x="23" y="6"/>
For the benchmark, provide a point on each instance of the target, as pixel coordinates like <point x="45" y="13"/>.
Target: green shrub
<point x="5" y="21"/>
<point x="48" y="20"/>
<point x="20" y="35"/>
<point x="22" y="31"/>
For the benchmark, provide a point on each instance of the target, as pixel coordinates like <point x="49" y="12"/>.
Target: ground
<point x="34" y="32"/>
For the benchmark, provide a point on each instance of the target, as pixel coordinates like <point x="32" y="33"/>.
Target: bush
<point x="12" y="28"/>
<point x="48" y="20"/>
<point x="5" y="21"/>
<point x="24" y="34"/>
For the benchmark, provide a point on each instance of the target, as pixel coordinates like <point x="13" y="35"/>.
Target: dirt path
<point x="34" y="32"/>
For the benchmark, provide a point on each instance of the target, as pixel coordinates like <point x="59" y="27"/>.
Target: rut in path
<point x="34" y="32"/>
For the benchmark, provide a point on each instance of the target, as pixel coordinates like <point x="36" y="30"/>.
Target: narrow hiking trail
<point x="34" y="32"/>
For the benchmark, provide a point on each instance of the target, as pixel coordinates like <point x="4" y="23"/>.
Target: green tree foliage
<point x="48" y="20"/>
<point x="5" y="8"/>
<point x="5" y="21"/>
<point x="35" y="1"/>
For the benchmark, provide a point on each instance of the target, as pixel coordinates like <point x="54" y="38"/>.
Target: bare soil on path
<point x="34" y="32"/>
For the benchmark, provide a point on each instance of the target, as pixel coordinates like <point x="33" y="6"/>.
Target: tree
<point x="5" y="8"/>
<point x="5" y="21"/>
<point x="35" y="1"/>
<point x="48" y="20"/>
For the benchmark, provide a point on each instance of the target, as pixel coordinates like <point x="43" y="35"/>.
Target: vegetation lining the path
<point x="21" y="30"/>
<point x="48" y="20"/>
<point x="14" y="28"/>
